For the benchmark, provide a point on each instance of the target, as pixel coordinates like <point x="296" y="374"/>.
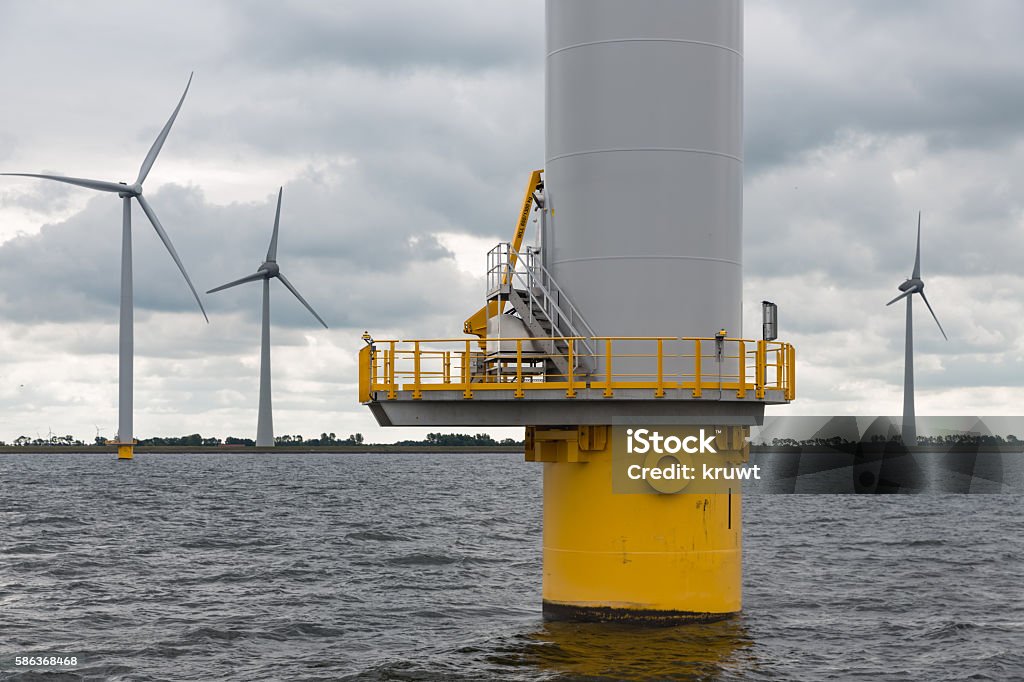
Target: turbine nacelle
<point x="130" y="191"/>
<point x="914" y="285"/>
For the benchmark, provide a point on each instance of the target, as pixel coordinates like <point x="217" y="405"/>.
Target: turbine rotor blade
<point x="272" y="251"/>
<point x="917" y="258"/>
<point x="248" y="278"/>
<point x="80" y="182"/>
<point x="154" y="151"/>
<point x="170" y="248"/>
<point x="903" y="295"/>
<point x="933" y="316"/>
<point x="292" y="289"/>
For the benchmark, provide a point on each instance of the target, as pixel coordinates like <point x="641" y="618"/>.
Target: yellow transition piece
<point x="651" y="558"/>
<point x="125" y="449"/>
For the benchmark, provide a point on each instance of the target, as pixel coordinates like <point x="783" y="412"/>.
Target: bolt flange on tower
<point x="617" y="340"/>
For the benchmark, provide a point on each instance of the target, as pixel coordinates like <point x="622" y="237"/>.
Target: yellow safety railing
<point x="637" y="364"/>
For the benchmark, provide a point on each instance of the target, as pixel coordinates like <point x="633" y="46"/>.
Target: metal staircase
<point x="545" y="310"/>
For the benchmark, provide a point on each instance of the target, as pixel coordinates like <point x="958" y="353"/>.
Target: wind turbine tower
<point x="627" y="318"/>
<point x="267" y="271"/>
<point x="126" y="348"/>
<point x="913" y="285"/>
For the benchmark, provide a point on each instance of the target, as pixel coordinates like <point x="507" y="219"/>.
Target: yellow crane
<point x="476" y="324"/>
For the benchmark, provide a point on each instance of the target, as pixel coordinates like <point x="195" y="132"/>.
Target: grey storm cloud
<point x="8" y="142"/>
<point x="341" y="262"/>
<point x="946" y="69"/>
<point x="400" y="35"/>
<point x="41" y="197"/>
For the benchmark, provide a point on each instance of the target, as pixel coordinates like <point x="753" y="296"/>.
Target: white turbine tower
<point x="266" y="272"/>
<point x="914" y="285"/>
<point x="126" y="349"/>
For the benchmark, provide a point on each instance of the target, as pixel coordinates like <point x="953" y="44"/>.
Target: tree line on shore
<point x="480" y="440"/>
<point x="938" y="441"/>
<point x="325" y="440"/>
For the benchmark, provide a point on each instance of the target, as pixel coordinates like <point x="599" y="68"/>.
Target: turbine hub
<point x="271" y="268"/>
<point x="130" y="190"/>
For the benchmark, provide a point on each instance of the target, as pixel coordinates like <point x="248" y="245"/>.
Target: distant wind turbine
<point x="126" y="349"/>
<point x="266" y="272"/>
<point x="914" y="285"/>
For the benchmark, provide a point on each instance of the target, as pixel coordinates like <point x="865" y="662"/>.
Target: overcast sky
<point x="403" y="131"/>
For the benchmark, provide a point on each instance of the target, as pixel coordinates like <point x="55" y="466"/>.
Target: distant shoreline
<point x="878" y="449"/>
<point x="250" y="449"/>
<point x="418" y="449"/>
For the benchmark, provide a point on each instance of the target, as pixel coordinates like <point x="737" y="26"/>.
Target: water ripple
<point x="427" y="567"/>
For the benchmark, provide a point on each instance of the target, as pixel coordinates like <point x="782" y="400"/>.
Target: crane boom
<point x="476" y="324"/>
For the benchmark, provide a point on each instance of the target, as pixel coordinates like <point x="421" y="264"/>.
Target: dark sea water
<point x="427" y="567"/>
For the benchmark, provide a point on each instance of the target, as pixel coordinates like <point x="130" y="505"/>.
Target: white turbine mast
<point x="913" y="285"/>
<point x="267" y="271"/>
<point x="126" y="346"/>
